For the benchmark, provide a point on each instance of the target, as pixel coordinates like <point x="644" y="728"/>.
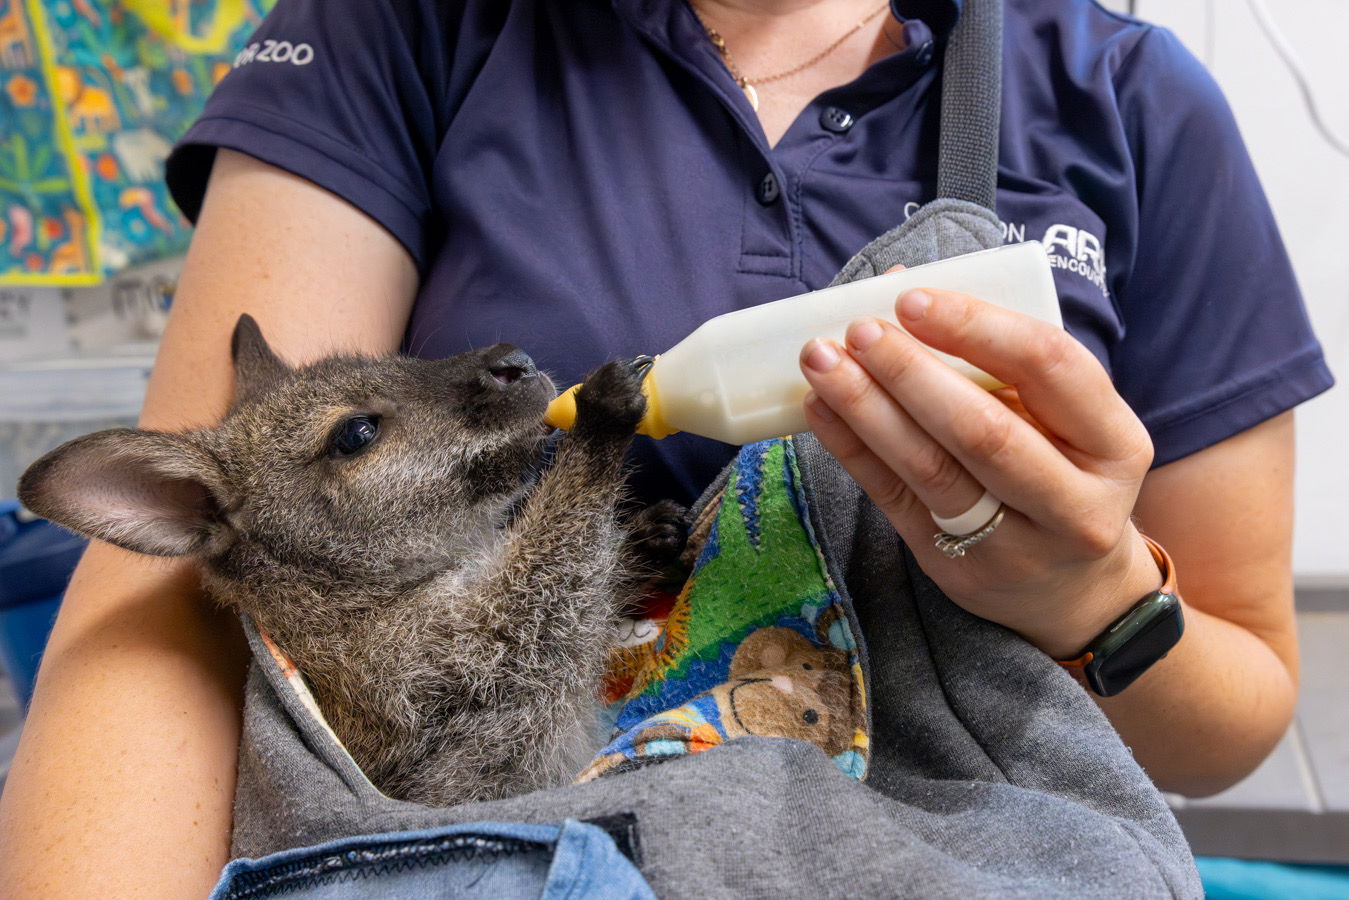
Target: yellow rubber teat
<point x="561" y="413"/>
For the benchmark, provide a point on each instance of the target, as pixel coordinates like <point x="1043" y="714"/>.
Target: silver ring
<point x="972" y="519"/>
<point x="955" y="545"/>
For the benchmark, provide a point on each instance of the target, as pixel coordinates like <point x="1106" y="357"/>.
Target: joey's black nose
<point x="510" y="367"/>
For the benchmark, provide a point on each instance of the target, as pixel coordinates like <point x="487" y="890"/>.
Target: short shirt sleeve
<point x="1216" y="338"/>
<point x="348" y="94"/>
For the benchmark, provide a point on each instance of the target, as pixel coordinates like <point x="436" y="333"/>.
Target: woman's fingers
<point x="907" y="513"/>
<point x="879" y="426"/>
<point x="1070" y="459"/>
<point x="1061" y="384"/>
<point x="876" y="478"/>
<point x="999" y="451"/>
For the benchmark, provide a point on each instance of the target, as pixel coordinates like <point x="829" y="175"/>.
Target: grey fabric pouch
<point x="991" y="771"/>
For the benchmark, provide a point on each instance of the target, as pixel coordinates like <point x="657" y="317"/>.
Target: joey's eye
<point x="354" y="435"/>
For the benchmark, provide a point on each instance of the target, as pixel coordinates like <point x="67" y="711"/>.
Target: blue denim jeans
<point x="480" y="859"/>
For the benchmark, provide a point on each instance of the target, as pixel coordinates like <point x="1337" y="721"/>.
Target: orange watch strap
<point x="1163" y="560"/>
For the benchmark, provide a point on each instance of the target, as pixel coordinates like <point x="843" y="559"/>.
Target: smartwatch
<point x="1137" y="639"/>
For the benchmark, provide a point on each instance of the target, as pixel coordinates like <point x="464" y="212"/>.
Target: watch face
<point x="1137" y="640"/>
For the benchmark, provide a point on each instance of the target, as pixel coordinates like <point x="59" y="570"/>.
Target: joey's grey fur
<point x="451" y="617"/>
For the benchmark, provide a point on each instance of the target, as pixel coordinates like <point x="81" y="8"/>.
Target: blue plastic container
<point x="36" y="559"/>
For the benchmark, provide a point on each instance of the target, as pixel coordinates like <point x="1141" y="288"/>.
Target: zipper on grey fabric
<point x="372" y="861"/>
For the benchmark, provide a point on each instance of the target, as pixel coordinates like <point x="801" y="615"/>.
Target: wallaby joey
<point x="383" y="521"/>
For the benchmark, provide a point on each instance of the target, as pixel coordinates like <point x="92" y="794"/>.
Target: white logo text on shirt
<point x="276" y="52"/>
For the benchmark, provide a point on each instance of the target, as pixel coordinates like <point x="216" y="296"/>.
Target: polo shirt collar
<point x="939" y="15"/>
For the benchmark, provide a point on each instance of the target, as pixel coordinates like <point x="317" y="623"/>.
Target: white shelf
<point x="75" y="389"/>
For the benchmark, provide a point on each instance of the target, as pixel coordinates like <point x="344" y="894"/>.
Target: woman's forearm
<point x="1206" y="715"/>
<point x="132" y="734"/>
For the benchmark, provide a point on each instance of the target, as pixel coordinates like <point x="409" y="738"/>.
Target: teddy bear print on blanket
<point x="758" y="641"/>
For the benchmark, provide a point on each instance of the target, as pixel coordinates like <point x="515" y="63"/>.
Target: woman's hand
<point x="1060" y="448"/>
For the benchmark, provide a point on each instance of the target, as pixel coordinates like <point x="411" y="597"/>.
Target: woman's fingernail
<point x="913" y="305"/>
<point x="863" y="333"/>
<point x="819" y="408"/>
<point x="820" y="355"/>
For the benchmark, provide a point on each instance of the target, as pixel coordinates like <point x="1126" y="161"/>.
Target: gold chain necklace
<point x="747" y="84"/>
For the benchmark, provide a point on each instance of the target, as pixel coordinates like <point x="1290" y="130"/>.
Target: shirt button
<point x="924" y="54"/>
<point x="835" y="119"/>
<point x="768" y="190"/>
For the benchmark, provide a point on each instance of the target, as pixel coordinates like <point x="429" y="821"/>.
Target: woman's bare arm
<point x="123" y="782"/>
<point x="1204" y="717"/>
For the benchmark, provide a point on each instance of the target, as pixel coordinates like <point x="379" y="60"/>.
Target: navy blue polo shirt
<point x="584" y="179"/>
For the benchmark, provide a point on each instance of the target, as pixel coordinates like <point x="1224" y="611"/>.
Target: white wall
<point x="1308" y="185"/>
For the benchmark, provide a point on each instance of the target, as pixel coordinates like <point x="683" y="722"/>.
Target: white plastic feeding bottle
<point x="736" y="378"/>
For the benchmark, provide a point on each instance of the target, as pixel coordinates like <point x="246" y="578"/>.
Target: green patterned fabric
<point x="759" y="641"/>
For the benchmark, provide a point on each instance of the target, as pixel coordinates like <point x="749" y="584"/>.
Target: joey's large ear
<point x="255" y="365"/>
<point x="146" y="491"/>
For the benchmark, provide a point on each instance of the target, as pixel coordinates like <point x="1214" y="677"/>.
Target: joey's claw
<point x="658" y="533"/>
<point x="611" y="398"/>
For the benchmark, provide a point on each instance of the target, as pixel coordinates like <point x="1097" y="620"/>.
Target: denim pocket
<point x="480" y="859"/>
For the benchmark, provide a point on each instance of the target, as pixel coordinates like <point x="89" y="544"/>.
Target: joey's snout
<point x="511" y="366"/>
<point x="499" y="370"/>
<point x="494" y="385"/>
<point x="508" y="373"/>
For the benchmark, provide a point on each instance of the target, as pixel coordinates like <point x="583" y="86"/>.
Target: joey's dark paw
<point x="657" y="534"/>
<point x="610" y="400"/>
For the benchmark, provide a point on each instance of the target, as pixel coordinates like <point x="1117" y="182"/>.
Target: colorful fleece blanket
<point x="757" y="642"/>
